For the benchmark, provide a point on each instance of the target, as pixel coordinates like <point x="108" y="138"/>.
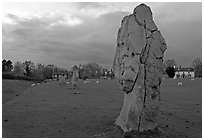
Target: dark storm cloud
<point x="23" y="33"/>
<point x="94" y="40"/>
<point x="184" y="42"/>
<point x="182" y="29"/>
<point x="99" y="44"/>
<point x="51" y="39"/>
<point x="12" y="16"/>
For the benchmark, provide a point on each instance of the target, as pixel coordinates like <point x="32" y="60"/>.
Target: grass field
<point x="52" y="110"/>
<point x="13" y="88"/>
<point x="185" y="105"/>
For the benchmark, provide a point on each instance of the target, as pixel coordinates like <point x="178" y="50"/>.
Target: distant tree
<point x="51" y="67"/>
<point x="47" y="72"/>
<point x="90" y="70"/>
<point x="111" y="74"/>
<point x="38" y="71"/>
<point x="4" y="65"/>
<point x="7" y="66"/>
<point x="18" y="68"/>
<point x="170" y="71"/>
<point x="28" y="66"/>
<point x="104" y="72"/>
<point x="169" y="63"/>
<point x="197" y="65"/>
<point x="43" y="72"/>
<point x="74" y="67"/>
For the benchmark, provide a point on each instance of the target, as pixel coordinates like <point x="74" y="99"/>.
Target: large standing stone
<point x="138" y="66"/>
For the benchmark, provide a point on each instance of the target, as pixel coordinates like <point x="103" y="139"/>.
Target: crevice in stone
<point x="137" y="20"/>
<point x="154" y="31"/>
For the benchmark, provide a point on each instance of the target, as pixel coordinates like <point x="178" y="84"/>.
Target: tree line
<point x="28" y="68"/>
<point x="93" y="70"/>
<point x="86" y="71"/>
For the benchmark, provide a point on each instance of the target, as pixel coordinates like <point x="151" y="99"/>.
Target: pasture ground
<point x="52" y="110"/>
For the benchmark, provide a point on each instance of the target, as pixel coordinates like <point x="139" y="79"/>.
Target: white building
<point x="184" y="72"/>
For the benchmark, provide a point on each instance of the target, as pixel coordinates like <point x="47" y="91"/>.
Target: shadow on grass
<point x="113" y="131"/>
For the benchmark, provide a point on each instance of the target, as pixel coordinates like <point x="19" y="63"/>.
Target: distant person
<point x="74" y="79"/>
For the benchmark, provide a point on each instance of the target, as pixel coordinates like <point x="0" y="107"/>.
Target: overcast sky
<point x="65" y="34"/>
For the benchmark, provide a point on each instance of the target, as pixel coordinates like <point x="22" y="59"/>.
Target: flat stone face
<point x="136" y="35"/>
<point x="138" y="65"/>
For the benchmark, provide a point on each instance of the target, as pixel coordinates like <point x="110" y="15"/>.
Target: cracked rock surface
<point x="138" y="65"/>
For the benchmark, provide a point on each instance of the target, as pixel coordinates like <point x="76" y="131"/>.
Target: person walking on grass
<point x="74" y="78"/>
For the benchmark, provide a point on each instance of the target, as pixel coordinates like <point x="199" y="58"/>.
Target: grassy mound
<point x="11" y="75"/>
